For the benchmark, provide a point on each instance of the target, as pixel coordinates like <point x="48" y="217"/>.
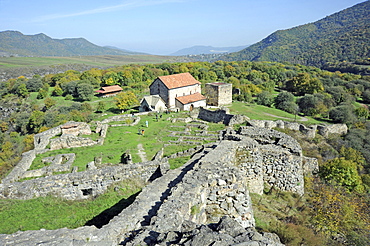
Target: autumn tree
<point x="303" y="83"/>
<point x="22" y="90"/>
<point x="36" y="121"/>
<point x="125" y="100"/>
<point x="57" y="91"/>
<point x="49" y="102"/>
<point x="342" y="172"/>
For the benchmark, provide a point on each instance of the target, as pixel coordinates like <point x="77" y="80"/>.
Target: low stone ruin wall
<point x="223" y="116"/>
<point x="309" y="131"/>
<point x="67" y="130"/>
<point x="135" y="119"/>
<point x="70" y="141"/>
<point x="41" y="140"/>
<point x="22" y="166"/>
<point x="219" y="116"/>
<point x="58" y="163"/>
<point x="78" y="185"/>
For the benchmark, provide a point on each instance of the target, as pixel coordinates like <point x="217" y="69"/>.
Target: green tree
<point x="342" y="172"/>
<point x="362" y="112"/>
<point x="265" y="98"/>
<point x="343" y="114"/>
<point x="125" y="100"/>
<point x="57" y="91"/>
<point x="22" y="90"/>
<point x="42" y="94"/>
<point x="101" y="106"/>
<point x="366" y="96"/>
<point x="35" y="121"/>
<point x="313" y="105"/>
<point x="34" y="84"/>
<point x="49" y="102"/>
<point x="84" y="91"/>
<point x="285" y="101"/>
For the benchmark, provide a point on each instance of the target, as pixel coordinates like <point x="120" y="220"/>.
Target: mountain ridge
<point x="16" y="43"/>
<point x="342" y="36"/>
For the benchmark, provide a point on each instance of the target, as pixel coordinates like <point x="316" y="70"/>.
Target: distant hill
<point x="201" y="49"/>
<point x="343" y="36"/>
<point x="16" y="43"/>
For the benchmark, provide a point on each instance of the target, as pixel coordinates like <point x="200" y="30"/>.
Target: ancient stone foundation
<point x="206" y="202"/>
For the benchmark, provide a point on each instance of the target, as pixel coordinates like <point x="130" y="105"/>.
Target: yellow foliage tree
<point x="125" y="100"/>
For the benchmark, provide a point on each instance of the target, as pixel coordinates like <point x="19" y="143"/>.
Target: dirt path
<point x="272" y="115"/>
<point x="141" y="152"/>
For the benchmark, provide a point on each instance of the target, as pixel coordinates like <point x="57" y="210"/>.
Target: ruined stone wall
<point x="58" y="163"/>
<point x="22" y="166"/>
<point x="219" y="116"/>
<point x="41" y="140"/>
<point x="67" y="130"/>
<point x="309" y="131"/>
<point x="78" y="185"/>
<point x="214" y="183"/>
<point x="75" y="128"/>
<point x="70" y="141"/>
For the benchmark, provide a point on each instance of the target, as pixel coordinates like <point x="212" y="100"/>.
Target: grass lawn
<point x="260" y="112"/>
<point x="52" y="213"/>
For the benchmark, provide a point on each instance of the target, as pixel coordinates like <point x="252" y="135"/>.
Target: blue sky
<point x="163" y="26"/>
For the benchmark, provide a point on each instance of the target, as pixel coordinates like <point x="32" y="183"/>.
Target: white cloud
<point x="124" y="5"/>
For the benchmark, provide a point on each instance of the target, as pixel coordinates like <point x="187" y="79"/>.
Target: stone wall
<point x="219" y="116"/>
<point x="70" y="141"/>
<point x="58" y="163"/>
<point x="42" y="140"/>
<point x="75" y="128"/>
<point x="78" y="185"/>
<point x="22" y="166"/>
<point x="309" y="131"/>
<point x="71" y="128"/>
<point x="213" y="184"/>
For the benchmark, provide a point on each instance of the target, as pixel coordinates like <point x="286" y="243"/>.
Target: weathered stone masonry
<point x="216" y="182"/>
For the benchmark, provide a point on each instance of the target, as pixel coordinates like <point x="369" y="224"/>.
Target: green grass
<point x="178" y="162"/>
<point x="108" y="60"/>
<point x="260" y="112"/>
<point x="41" y="212"/>
<point x="122" y="139"/>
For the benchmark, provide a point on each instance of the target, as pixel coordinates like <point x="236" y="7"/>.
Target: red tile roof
<point x="109" y="89"/>
<point x="191" y="98"/>
<point x="178" y="80"/>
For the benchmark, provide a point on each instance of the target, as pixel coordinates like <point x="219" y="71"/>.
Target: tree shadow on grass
<point x="115" y="110"/>
<point x="104" y="217"/>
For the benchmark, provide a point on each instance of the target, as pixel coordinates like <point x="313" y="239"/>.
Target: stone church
<point x="183" y="92"/>
<point x="179" y="91"/>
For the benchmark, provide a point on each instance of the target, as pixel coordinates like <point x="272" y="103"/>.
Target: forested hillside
<point x="16" y="43"/>
<point x="343" y="36"/>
